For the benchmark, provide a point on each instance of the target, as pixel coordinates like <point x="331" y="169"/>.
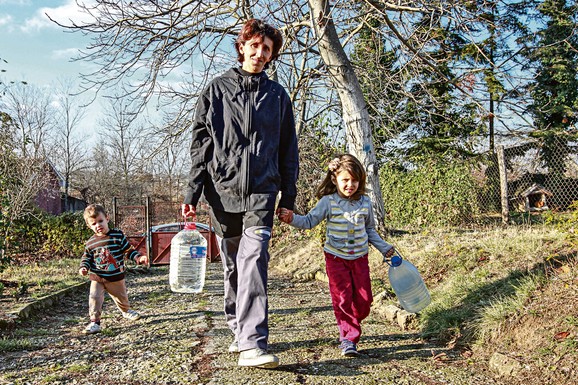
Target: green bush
<point x="65" y="234"/>
<point x="60" y="236"/>
<point x="436" y="193"/>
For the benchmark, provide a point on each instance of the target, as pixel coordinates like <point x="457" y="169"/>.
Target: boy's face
<point x="99" y="224"/>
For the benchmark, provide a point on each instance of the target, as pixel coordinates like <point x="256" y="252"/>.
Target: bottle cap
<point x="396" y="261"/>
<point x="190" y="226"/>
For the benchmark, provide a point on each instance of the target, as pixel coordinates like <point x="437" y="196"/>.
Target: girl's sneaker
<point x="131" y="315"/>
<point x="92" y="328"/>
<point x="348" y="349"/>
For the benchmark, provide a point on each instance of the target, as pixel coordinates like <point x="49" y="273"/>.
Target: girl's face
<point x="346" y="184"/>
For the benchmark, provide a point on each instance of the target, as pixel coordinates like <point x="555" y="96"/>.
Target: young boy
<point x="103" y="258"/>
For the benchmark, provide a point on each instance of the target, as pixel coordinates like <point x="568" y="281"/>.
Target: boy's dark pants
<point x="245" y="256"/>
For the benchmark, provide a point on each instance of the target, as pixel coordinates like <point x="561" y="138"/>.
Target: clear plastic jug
<point x="188" y="261"/>
<point x="408" y="284"/>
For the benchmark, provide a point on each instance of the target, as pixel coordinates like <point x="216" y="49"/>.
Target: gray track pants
<point x="245" y="258"/>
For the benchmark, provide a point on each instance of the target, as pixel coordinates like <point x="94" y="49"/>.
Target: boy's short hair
<point x="92" y="211"/>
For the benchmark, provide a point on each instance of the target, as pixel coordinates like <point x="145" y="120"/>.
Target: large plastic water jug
<point x="188" y="261"/>
<point x="408" y="285"/>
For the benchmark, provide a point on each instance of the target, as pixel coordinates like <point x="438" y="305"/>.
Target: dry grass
<point x="511" y="290"/>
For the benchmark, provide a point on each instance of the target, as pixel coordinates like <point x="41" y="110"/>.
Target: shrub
<point x="65" y="234"/>
<point x="436" y="193"/>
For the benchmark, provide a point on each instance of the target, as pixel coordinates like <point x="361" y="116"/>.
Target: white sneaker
<point x="131" y="315"/>
<point x="92" y="328"/>
<point x="234" y="347"/>
<point x="258" y="358"/>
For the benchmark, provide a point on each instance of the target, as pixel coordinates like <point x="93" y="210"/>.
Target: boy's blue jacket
<point x="244" y="145"/>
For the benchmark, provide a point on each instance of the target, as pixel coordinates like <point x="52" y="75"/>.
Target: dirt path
<point x="182" y="339"/>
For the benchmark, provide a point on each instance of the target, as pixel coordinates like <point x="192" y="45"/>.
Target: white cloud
<point x="17" y="2"/>
<point x="4" y="20"/>
<point x="65" y="14"/>
<point x="64" y="53"/>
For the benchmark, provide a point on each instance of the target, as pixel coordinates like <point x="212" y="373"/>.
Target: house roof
<point x="535" y="189"/>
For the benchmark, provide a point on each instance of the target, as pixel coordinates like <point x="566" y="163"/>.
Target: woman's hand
<point x="285" y="215"/>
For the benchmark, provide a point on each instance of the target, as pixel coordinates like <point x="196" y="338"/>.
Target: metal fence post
<point x="114" y="212"/>
<point x="503" y="184"/>
<point x="148" y="228"/>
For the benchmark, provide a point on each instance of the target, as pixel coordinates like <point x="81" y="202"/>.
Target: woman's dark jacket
<point x="244" y="148"/>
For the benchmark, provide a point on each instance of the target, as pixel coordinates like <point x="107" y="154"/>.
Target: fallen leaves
<point x="561" y="336"/>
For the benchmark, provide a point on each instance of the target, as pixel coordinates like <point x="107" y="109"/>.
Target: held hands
<point x="189" y="211"/>
<point x="284" y="215"/>
<point x="142" y="260"/>
<point x="83" y="271"/>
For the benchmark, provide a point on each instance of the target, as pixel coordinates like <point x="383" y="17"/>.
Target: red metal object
<point x="161" y="246"/>
<point x="136" y="222"/>
<point x="139" y="242"/>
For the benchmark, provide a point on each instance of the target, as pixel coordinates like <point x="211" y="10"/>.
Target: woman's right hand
<point x="189" y="211"/>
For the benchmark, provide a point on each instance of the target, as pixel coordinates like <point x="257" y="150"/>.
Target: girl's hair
<point x="256" y="27"/>
<point x="343" y="162"/>
<point x="92" y="211"/>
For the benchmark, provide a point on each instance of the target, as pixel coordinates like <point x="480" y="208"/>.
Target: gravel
<point x="183" y="339"/>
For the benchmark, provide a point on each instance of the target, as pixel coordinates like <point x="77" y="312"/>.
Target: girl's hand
<point x="83" y="271"/>
<point x="389" y="253"/>
<point x="142" y="260"/>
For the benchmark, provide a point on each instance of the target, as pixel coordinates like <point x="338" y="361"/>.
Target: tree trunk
<point x="354" y="108"/>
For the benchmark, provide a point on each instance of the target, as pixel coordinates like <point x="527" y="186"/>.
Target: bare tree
<point x="355" y="114"/>
<point x="124" y="134"/>
<point x="69" y="150"/>
<point x="32" y="113"/>
<point x="165" y="51"/>
<point x="21" y="179"/>
<point x="169" y="160"/>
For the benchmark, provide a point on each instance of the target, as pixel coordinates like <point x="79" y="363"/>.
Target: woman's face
<point x="256" y="53"/>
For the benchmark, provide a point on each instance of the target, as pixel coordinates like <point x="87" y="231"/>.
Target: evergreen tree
<point x="555" y="87"/>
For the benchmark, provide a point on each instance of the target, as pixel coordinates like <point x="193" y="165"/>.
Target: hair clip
<point x="334" y="165"/>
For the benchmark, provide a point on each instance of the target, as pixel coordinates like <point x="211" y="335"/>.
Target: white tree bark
<point x="355" y="114"/>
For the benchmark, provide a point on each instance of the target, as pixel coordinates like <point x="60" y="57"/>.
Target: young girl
<point x="350" y="229"/>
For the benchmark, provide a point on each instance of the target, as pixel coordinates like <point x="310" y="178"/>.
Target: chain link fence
<point x="513" y="184"/>
<point x="528" y="178"/>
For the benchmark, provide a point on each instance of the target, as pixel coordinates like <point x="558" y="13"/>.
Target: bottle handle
<point x="396" y="252"/>
<point x="189" y="225"/>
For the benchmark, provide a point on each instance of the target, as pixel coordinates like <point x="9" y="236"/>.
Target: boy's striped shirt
<point x="104" y="255"/>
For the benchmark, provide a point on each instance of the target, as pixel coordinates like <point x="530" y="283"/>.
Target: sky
<point x="37" y="50"/>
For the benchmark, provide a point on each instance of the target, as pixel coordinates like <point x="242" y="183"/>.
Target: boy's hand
<point x="285" y="215"/>
<point x="83" y="271"/>
<point x="142" y="260"/>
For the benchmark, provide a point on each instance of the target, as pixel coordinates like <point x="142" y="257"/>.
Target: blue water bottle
<point x="407" y="284"/>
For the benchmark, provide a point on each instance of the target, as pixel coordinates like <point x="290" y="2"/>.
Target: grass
<point x="17" y="344"/>
<point x="39" y="279"/>
<point x="491" y="289"/>
<point x="491" y="318"/>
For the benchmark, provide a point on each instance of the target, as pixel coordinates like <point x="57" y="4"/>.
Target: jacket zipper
<point x="246" y="151"/>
